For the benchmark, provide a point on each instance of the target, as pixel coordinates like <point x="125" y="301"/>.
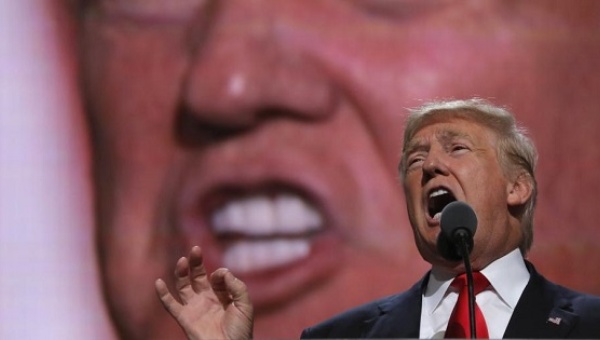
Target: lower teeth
<point x="254" y="255"/>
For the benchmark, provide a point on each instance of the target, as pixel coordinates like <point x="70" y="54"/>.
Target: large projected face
<point x="268" y="133"/>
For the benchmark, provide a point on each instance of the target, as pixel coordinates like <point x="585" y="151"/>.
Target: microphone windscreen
<point x="458" y="215"/>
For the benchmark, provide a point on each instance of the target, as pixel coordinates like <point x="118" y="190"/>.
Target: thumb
<point x="230" y="289"/>
<point x="239" y="293"/>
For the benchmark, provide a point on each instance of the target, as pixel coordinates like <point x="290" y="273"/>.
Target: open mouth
<point x="265" y="231"/>
<point x="437" y="199"/>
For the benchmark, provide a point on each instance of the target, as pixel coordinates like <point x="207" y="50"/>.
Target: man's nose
<point x="248" y="66"/>
<point x="434" y="165"/>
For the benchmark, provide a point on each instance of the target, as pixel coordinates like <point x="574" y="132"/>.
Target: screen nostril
<point x="191" y="130"/>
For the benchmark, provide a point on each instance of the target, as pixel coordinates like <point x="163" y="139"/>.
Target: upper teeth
<point x="263" y="215"/>
<point x="278" y="218"/>
<point x="438" y="192"/>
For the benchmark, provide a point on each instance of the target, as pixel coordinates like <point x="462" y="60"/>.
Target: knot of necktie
<point x="480" y="282"/>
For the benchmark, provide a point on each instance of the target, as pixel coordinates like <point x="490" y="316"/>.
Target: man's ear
<point x="520" y="190"/>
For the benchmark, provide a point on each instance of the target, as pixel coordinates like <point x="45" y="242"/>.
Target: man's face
<point x="267" y="132"/>
<point x="456" y="159"/>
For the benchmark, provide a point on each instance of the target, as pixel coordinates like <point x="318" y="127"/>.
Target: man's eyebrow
<point x="451" y="134"/>
<point x="444" y="136"/>
<point x="416" y="145"/>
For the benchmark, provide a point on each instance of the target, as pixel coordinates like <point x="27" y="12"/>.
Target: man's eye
<point x="459" y="148"/>
<point x="414" y="161"/>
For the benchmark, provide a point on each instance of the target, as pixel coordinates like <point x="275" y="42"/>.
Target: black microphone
<point x="458" y="223"/>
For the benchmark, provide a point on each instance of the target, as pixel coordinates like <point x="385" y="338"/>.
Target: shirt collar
<point x="508" y="276"/>
<point x="437" y="286"/>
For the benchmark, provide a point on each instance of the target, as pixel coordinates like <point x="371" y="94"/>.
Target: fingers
<point x="191" y="278"/>
<point x="169" y="302"/>
<point x="198" y="275"/>
<point x="190" y="275"/>
<point x="182" y="280"/>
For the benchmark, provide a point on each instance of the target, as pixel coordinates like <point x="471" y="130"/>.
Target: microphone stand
<point x="462" y="236"/>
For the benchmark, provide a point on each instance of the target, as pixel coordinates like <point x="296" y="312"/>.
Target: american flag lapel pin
<point x="555" y="320"/>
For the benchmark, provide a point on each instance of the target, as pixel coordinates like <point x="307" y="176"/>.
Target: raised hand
<point x="207" y="307"/>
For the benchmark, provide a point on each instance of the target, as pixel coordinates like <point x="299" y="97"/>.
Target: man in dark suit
<point x="464" y="150"/>
<point x="545" y="311"/>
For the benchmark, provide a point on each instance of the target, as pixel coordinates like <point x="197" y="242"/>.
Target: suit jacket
<point x="545" y="310"/>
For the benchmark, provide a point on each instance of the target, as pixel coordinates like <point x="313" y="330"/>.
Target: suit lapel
<point x="540" y="312"/>
<point x="399" y="317"/>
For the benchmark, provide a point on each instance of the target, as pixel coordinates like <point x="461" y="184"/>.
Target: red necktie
<point x="458" y="326"/>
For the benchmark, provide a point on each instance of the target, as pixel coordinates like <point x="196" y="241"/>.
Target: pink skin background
<point x="48" y="269"/>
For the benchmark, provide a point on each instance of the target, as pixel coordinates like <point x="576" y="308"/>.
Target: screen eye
<point x="399" y="9"/>
<point x="152" y="9"/>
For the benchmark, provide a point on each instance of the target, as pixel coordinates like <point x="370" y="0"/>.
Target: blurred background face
<point x="268" y="133"/>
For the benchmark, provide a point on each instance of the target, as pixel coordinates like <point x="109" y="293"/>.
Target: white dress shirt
<point x="508" y="277"/>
